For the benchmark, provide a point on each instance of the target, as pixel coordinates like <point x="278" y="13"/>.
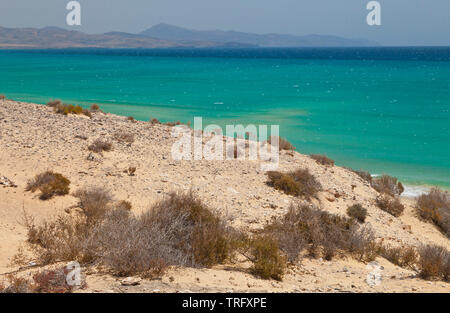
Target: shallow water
<point x="385" y="110"/>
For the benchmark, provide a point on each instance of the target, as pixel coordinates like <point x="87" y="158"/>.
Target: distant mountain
<point x="54" y="37"/>
<point x="179" y="34"/>
<point x="161" y="36"/>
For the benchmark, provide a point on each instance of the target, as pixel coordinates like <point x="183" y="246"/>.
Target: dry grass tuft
<point x="283" y="144"/>
<point x="392" y="205"/>
<point x="67" y="109"/>
<point x="154" y="121"/>
<point x="358" y="212"/>
<point x="322" y="159"/>
<point x="54" y="103"/>
<point x="99" y="146"/>
<point x="435" y="207"/>
<point x="434" y="262"/>
<point x="388" y="185"/>
<point x="124" y="137"/>
<point x="299" y="183"/>
<point x="179" y="230"/>
<point x="307" y="228"/>
<point x="49" y="184"/>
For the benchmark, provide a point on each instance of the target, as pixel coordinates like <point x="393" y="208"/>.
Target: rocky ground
<point x="33" y="139"/>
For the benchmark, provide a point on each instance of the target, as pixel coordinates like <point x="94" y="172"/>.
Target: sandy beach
<point x="34" y="139"/>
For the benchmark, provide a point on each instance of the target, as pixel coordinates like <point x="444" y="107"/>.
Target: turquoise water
<point x="383" y="110"/>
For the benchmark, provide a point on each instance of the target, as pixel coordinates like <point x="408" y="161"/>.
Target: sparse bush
<point x="388" y="185"/>
<point x="434" y="262"/>
<point x="49" y="184"/>
<point x="357" y="211"/>
<point x="155" y="121"/>
<point x="297" y="183"/>
<point x="283" y="144"/>
<point x="391" y="205"/>
<point x="95" y="108"/>
<point x="268" y="263"/>
<point x="401" y="256"/>
<point x="2" y="97"/>
<point x="124" y="205"/>
<point x="179" y="230"/>
<point x="54" y="103"/>
<point x="99" y="146"/>
<point x="172" y="124"/>
<point x="125" y="137"/>
<point x="435" y="207"/>
<point x="305" y="227"/>
<point x="94" y="201"/>
<point x="322" y="159"/>
<point x="131" y="119"/>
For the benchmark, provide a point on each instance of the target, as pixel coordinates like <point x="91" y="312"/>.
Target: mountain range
<point x="163" y="36"/>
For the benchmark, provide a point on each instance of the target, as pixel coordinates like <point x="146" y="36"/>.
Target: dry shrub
<point x="99" y="146"/>
<point x="388" y="185"/>
<point x="2" y="97"/>
<point x="125" y="137"/>
<point x="401" y="256"/>
<point x="46" y="281"/>
<point x="172" y="124"/>
<point x="155" y="121"/>
<point x="283" y="144"/>
<point x="299" y="183"/>
<point x="49" y="184"/>
<point x="322" y="159"/>
<point x="95" y="108"/>
<point x="124" y="205"/>
<point x="131" y="119"/>
<point x="435" y="207"/>
<point x="390" y="205"/>
<point x="179" y="230"/>
<point x="54" y="103"/>
<point x="358" y="212"/>
<point x="305" y="227"/>
<point x="94" y="201"/>
<point x="434" y="262"/>
<point x="268" y="263"/>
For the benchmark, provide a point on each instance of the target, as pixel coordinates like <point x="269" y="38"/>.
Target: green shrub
<point x="358" y="212"/>
<point x="49" y="184"/>
<point x="299" y="183"/>
<point x="268" y="263"/>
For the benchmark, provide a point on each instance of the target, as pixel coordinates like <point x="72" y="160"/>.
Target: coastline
<point x="34" y="139"/>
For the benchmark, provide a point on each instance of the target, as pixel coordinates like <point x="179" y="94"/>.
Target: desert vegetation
<point x="124" y="137"/>
<point x="95" y="108"/>
<point x="322" y="159"/>
<point x="391" y="205"/>
<point x="66" y="109"/>
<point x="388" y="185"/>
<point x="50" y="184"/>
<point x="100" y="145"/>
<point x="283" y="144"/>
<point x="154" y="121"/>
<point x="2" y="97"/>
<point x="435" y="207"/>
<point x="358" y="212"/>
<point x="300" y="183"/>
<point x="434" y="262"/>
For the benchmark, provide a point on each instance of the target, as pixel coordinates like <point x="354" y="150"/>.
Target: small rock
<point x="131" y="281"/>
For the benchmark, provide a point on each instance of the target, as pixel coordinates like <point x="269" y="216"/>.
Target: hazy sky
<point x="404" y="22"/>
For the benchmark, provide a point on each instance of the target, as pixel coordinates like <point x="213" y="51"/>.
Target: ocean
<point x="384" y="110"/>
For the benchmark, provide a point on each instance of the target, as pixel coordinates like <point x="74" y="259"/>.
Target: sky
<point x="404" y="22"/>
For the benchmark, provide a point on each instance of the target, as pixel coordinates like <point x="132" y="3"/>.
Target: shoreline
<point x="34" y="139"/>
<point x="412" y="190"/>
